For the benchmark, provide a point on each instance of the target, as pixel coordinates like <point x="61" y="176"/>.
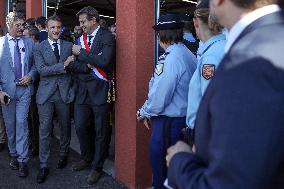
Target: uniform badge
<point x="208" y="71"/>
<point x="159" y="69"/>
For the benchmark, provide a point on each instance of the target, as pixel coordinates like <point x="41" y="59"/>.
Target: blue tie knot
<point x="16" y="40"/>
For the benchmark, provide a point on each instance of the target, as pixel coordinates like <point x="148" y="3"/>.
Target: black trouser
<point x="82" y="115"/>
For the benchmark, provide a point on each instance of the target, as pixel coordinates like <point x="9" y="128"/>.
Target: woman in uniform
<point x="167" y="98"/>
<point x="209" y="56"/>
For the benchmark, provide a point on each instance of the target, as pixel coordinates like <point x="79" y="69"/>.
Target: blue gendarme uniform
<point x="168" y="88"/>
<point x="167" y="105"/>
<point x="210" y="54"/>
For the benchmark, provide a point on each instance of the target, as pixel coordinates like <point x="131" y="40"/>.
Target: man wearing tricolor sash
<point x="95" y="51"/>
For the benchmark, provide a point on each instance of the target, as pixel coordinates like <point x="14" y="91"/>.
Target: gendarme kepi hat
<point x="169" y="21"/>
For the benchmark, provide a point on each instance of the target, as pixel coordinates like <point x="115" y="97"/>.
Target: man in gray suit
<point x="55" y="92"/>
<point x="16" y="75"/>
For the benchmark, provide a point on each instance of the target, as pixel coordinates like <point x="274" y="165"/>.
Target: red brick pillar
<point x="33" y="8"/>
<point x="135" y="56"/>
<point x="2" y="14"/>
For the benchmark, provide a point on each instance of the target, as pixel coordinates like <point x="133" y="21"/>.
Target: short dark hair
<point x="253" y="3"/>
<point x="33" y="31"/>
<point x="30" y="21"/>
<point x="91" y="12"/>
<point x="14" y="16"/>
<point x="54" y="18"/>
<point x="171" y="36"/>
<point x="41" y="21"/>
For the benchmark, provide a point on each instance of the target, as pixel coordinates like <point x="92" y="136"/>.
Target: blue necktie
<point x="90" y="40"/>
<point x="17" y="60"/>
<point x="56" y="51"/>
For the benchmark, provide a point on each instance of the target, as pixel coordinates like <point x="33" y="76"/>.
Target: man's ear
<point x="217" y="2"/>
<point x="94" y="20"/>
<point x="195" y="23"/>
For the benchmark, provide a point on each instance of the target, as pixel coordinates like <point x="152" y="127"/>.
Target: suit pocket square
<point x="100" y="53"/>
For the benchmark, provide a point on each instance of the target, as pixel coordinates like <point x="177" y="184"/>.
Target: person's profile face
<point x="54" y="29"/>
<point x="87" y="26"/>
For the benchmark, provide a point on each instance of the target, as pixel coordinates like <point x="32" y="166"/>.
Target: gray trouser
<point x="2" y="128"/>
<point x="45" y="112"/>
<point x="15" y="116"/>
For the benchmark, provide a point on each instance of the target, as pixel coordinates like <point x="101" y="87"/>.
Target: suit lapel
<point x="6" y="46"/>
<point x="97" y="40"/>
<point x="27" y="51"/>
<point x="62" y="50"/>
<point x="49" y="50"/>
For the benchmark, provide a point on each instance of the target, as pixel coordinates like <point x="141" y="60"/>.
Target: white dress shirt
<point x="240" y="26"/>
<point x="12" y="44"/>
<point x="94" y="35"/>
<point x="51" y="44"/>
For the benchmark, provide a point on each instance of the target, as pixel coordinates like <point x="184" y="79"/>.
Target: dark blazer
<point x="101" y="55"/>
<point x="43" y="35"/>
<point x="240" y="123"/>
<point x="52" y="73"/>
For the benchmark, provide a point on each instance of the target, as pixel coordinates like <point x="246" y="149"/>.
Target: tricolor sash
<point x="96" y="72"/>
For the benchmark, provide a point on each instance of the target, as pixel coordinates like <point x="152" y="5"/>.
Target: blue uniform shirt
<point x="211" y="53"/>
<point x="168" y="88"/>
<point x="189" y="37"/>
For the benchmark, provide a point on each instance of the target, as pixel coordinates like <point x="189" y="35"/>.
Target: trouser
<point x="2" y="128"/>
<point x="15" y="117"/>
<point x="45" y="111"/>
<point x="166" y="132"/>
<point x="82" y="114"/>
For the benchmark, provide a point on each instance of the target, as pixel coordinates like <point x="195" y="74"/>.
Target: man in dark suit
<point x="93" y="69"/>
<point x="40" y="24"/>
<point x="55" y="92"/>
<point x="240" y="124"/>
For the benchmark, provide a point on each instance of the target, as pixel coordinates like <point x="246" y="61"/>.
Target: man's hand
<point x="90" y="66"/>
<point x="178" y="147"/>
<point x="2" y="94"/>
<point x="69" y="60"/>
<point x="26" y="80"/>
<point x="76" y="49"/>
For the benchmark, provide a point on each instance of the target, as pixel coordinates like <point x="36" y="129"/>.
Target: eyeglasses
<point x="20" y="25"/>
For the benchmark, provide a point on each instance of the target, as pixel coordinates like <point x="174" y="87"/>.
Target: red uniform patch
<point x="208" y="71"/>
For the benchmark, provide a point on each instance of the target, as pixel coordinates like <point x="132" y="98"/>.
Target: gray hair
<point x="14" y="16"/>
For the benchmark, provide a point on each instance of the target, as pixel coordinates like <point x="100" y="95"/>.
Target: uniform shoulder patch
<point x="208" y="71"/>
<point x="159" y="69"/>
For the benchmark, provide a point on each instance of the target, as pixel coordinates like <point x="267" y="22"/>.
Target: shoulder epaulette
<point x="163" y="56"/>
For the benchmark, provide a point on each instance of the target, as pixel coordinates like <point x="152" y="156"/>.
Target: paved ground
<point x="57" y="178"/>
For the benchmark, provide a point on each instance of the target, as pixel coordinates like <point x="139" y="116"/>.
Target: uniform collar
<point x="173" y="46"/>
<point x="209" y="42"/>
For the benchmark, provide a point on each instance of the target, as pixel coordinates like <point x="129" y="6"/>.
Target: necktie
<point x="90" y="40"/>
<point x="56" y="51"/>
<point x="17" y="60"/>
